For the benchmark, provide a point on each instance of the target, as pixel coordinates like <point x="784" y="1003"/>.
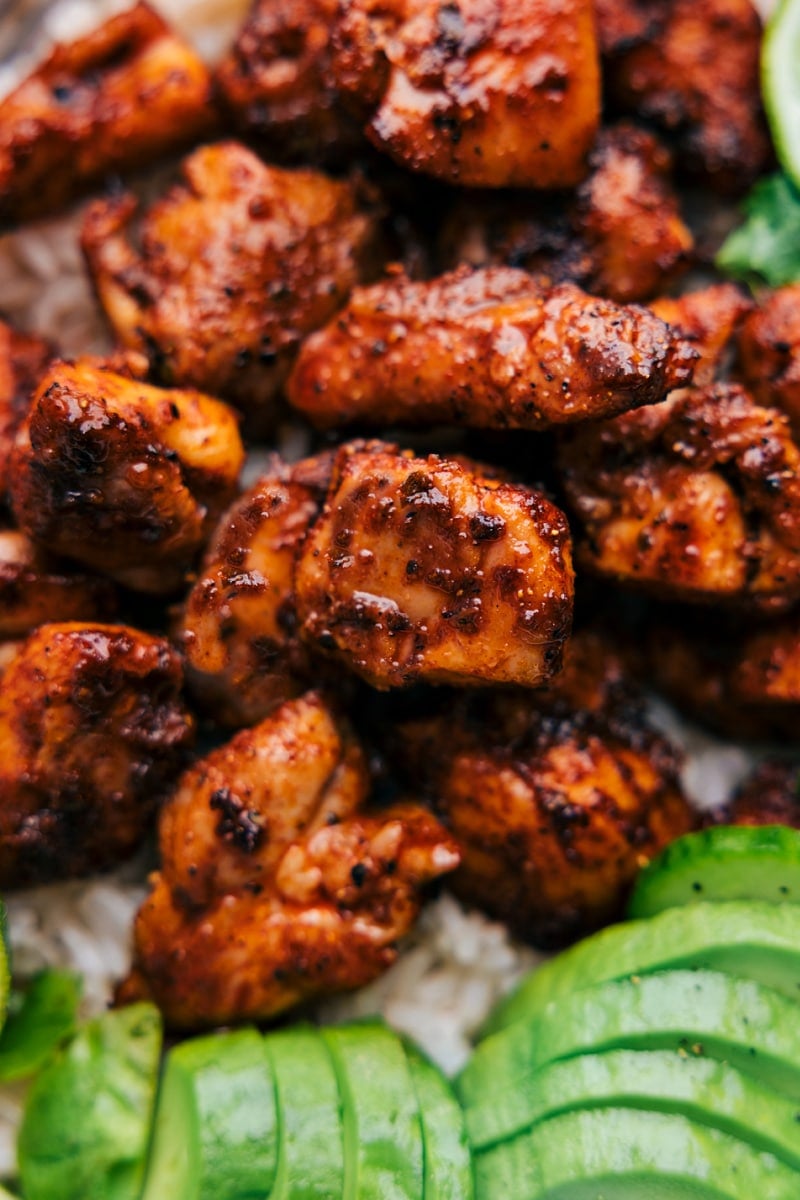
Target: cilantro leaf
<point x="767" y="245"/>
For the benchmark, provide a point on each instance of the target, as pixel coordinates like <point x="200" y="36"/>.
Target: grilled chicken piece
<point x="424" y="570"/>
<point x="120" y="97"/>
<point x="556" y="798"/>
<point x="125" y="478"/>
<point x="620" y="234"/>
<point x="488" y="349"/>
<point x="92" y="733"/>
<point x="237" y="264"/>
<point x="697" y="498"/>
<point x="708" y="320"/>
<point x="22" y="360"/>
<point x="276" y="886"/>
<point x="35" y="588"/>
<point x="692" y="68"/>
<point x="238" y="628"/>
<point x="482" y="93"/>
<point x="769" y="796"/>
<point x="275" y="84"/>
<point x="769" y="352"/>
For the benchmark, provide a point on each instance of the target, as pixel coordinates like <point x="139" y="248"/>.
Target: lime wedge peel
<point x="780" y="83"/>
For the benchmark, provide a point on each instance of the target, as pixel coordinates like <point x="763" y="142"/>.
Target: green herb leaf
<point x="767" y="245"/>
<point x="38" y="1023"/>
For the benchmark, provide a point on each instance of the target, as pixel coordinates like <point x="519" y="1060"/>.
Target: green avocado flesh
<point x="753" y="1028"/>
<point x="87" y="1120"/>
<point x="311" y="1163"/>
<point x="726" y="862"/>
<point x="382" y="1127"/>
<point x="705" y="1090"/>
<point x="749" y="939"/>
<point x="620" y="1154"/>
<point x="448" y="1163"/>
<point x="215" y="1135"/>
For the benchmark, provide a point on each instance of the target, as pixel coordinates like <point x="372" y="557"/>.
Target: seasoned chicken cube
<point x="238" y="628"/>
<point x="276" y="886"/>
<point x="692" y="68"/>
<point x="92" y="733"/>
<point x="769" y="796"/>
<point x="275" y="83"/>
<point x="125" y="478"/>
<point x="22" y="360"/>
<point x="422" y="569"/>
<point x="697" y="498"/>
<point x="555" y="806"/>
<point x="35" y="589"/>
<point x="620" y="234"/>
<point x="482" y="93"/>
<point x="769" y="352"/>
<point x="708" y="320"/>
<point x="237" y="264"/>
<point x="122" y="96"/>
<point x="487" y="349"/>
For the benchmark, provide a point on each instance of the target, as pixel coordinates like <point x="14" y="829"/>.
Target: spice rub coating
<point x="697" y="498"/>
<point x="770" y="795"/>
<point x="769" y="352"/>
<point x="123" y="477"/>
<point x="481" y="93"/>
<point x="122" y="96"/>
<point x="23" y="358"/>
<point x="237" y="263"/>
<point x="421" y="569"/>
<point x="489" y="348"/>
<point x="36" y="588"/>
<point x="708" y="320"/>
<point x="92" y="733"/>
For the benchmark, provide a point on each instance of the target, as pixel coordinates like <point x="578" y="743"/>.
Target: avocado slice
<point x="754" y="1028"/>
<point x="311" y="1163"/>
<point x="382" y="1126"/>
<point x="619" y="1154"/>
<point x="749" y="939"/>
<point x="86" y="1124"/>
<point x="725" y="862"/>
<point x="706" y="1091"/>
<point x="448" y="1162"/>
<point x="215" y="1133"/>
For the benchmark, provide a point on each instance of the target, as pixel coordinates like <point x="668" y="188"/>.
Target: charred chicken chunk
<point x="770" y="796"/>
<point x="22" y="360"/>
<point x="697" y="498"/>
<point x="238" y="628"/>
<point x="237" y="264"/>
<point x="421" y="569"/>
<point x="619" y="235"/>
<point x="35" y="588"/>
<point x="488" y="349"/>
<point x="482" y="93"/>
<point x="122" y="96"/>
<point x="306" y="893"/>
<point x="555" y="807"/>
<point x="769" y="352"/>
<point x="125" y="478"/>
<point x="708" y="320"/>
<point x="692" y="68"/>
<point x="92" y="733"/>
<point x="275" y="83"/>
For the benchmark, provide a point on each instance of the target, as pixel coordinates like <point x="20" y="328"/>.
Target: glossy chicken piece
<point x="620" y="234"/>
<point x="420" y="569"/>
<point x="35" y="588"/>
<point x="697" y="498"/>
<point x="555" y="807"/>
<point x="297" y="892"/>
<point x="708" y="320"/>
<point x="122" y="96"/>
<point x="487" y="349"/>
<point x="692" y="68"/>
<point x="770" y="796"/>
<point x="22" y="360"/>
<point x="92" y="733"/>
<point x="238" y="628"/>
<point x="275" y="83"/>
<point x="237" y="264"/>
<point x="237" y="811"/>
<point x="125" y="478"/>
<point x="769" y="352"/>
<point x="481" y="93"/>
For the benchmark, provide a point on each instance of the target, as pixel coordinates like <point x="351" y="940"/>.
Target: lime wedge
<point x="780" y="83"/>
